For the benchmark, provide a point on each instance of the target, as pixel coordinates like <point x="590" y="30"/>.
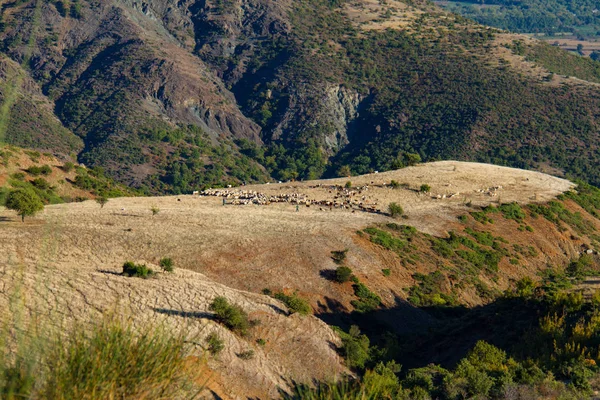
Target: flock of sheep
<point x="343" y="198"/>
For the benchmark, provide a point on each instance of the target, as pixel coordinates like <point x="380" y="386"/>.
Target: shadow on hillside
<point x="7" y="219"/>
<point x="328" y="274"/>
<point x="108" y="272"/>
<point x="441" y="335"/>
<point x="185" y="314"/>
<point x="278" y="310"/>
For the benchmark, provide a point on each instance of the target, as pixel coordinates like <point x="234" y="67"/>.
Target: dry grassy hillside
<point x="70" y="254"/>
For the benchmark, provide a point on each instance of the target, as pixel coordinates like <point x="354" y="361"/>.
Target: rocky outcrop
<point x="340" y="107"/>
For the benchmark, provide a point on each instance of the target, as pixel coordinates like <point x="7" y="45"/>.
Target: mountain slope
<point x="304" y="87"/>
<point x="29" y="119"/>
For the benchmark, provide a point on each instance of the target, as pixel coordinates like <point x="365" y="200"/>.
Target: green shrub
<point x="339" y="256"/>
<point x="482" y="217"/>
<point x="45" y="170"/>
<point x="155" y="210"/>
<point x="41" y="183"/>
<point x="406" y="230"/>
<point x="525" y="287"/>
<point x="386" y="272"/>
<point x="34" y="170"/>
<point x="230" y="315"/>
<point x="385" y="239"/>
<point x="379" y="383"/>
<point x="367" y="300"/>
<point x="68" y="166"/>
<point x="294" y="303"/>
<point x="394" y="184"/>
<point x="428" y="291"/>
<point x="348" y="185"/>
<point x="484" y="238"/>
<point x="395" y="210"/>
<point x="137" y="270"/>
<point x="261" y="342"/>
<point x="246" y="355"/>
<point x="215" y="344"/>
<point x="355" y="347"/>
<point x="19" y="176"/>
<point x="343" y="274"/>
<point x="425" y="188"/>
<point x="583" y="266"/>
<point x="442" y="247"/>
<point x="166" y="263"/>
<point x="512" y="211"/>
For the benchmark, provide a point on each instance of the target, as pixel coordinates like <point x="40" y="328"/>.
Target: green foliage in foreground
<point x="112" y="360"/>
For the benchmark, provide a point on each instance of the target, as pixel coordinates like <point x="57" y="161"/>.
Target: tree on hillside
<point x="25" y="202"/>
<point x="344" y="171"/>
<point x="102" y="200"/>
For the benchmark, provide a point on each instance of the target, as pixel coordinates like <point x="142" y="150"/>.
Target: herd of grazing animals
<point x="343" y="198"/>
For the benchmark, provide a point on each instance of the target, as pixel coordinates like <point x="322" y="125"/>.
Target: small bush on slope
<point x="343" y="274"/>
<point x="230" y="315"/>
<point x="166" y="264"/>
<point x="295" y="303"/>
<point x="137" y="270"/>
